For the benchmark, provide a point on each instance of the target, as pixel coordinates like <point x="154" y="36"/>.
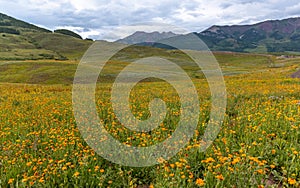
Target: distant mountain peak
<point x="213" y="28"/>
<point x="145" y="37"/>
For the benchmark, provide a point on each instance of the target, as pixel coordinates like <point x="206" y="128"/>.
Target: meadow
<point x="258" y="145"/>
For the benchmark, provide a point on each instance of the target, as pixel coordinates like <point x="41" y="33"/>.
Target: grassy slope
<point x="33" y="43"/>
<point x="39" y="45"/>
<point x="45" y="72"/>
<point x="68" y="46"/>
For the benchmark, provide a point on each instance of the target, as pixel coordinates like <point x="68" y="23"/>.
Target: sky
<point x="113" y="19"/>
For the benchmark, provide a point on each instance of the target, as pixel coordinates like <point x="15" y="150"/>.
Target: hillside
<point x="24" y="41"/>
<point x="18" y="25"/>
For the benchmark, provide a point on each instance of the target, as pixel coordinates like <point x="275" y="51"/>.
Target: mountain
<point x="20" y="40"/>
<point x="267" y="36"/>
<point x="144" y="37"/>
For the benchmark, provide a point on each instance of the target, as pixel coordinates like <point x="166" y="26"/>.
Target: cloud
<point x="293" y="10"/>
<point x="96" y="18"/>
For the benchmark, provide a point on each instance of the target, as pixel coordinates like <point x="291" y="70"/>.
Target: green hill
<point x="10" y="22"/>
<point x="24" y="41"/>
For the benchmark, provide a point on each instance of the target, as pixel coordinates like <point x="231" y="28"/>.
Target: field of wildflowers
<point x="258" y="145"/>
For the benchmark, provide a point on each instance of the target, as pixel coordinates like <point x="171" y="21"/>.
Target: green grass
<point x="29" y="54"/>
<point x="32" y="45"/>
<point x="31" y="42"/>
<point x="68" y="46"/>
<point x="38" y="72"/>
<point x="62" y="72"/>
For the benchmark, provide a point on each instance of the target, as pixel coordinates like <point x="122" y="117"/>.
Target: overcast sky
<point x="96" y="18"/>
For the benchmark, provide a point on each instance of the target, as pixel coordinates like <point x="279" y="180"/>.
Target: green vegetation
<point x="62" y="72"/>
<point x="9" y="30"/>
<point x="70" y="47"/>
<point x="37" y="72"/>
<point x="52" y="45"/>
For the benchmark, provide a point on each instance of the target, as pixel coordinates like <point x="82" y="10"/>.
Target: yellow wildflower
<point x="200" y="182"/>
<point x="76" y="174"/>
<point x="291" y="181"/>
<point x="220" y="177"/>
<point x="10" y="181"/>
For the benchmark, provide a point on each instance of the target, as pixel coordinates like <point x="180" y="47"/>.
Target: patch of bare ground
<point x="296" y="74"/>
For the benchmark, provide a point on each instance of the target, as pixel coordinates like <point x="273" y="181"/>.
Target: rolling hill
<point x="24" y="41"/>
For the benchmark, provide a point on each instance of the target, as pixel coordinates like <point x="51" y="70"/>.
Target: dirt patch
<point x="296" y="74"/>
<point x="271" y="182"/>
<point x="39" y="78"/>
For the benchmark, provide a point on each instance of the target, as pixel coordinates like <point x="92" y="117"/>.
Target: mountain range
<point x="268" y="36"/>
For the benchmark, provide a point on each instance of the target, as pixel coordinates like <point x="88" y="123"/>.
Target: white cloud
<point x="80" y="5"/>
<point x="96" y="18"/>
<point x="84" y="33"/>
<point x="45" y="5"/>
